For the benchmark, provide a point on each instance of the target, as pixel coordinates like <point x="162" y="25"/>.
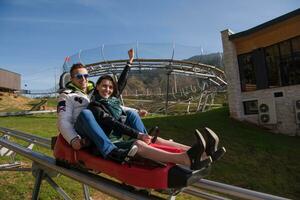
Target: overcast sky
<point x="36" y="35"/>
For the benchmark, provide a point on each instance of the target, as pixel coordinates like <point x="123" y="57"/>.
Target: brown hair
<point x="74" y="67"/>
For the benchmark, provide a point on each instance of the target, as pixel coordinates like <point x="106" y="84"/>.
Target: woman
<point x="107" y="110"/>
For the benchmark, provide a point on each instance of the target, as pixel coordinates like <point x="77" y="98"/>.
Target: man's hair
<point x="74" y="67"/>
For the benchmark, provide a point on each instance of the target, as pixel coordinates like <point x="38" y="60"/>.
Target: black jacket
<point x="104" y="117"/>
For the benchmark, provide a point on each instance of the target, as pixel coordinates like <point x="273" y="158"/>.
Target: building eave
<point x="265" y="25"/>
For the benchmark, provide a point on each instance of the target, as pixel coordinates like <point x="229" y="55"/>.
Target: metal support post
<point x="58" y="189"/>
<point x="212" y="100"/>
<point x="167" y="92"/>
<point x="188" y="107"/>
<point x="86" y="192"/>
<point x="205" y="102"/>
<point x="175" y="83"/>
<point x="199" y="103"/>
<point x="37" y="184"/>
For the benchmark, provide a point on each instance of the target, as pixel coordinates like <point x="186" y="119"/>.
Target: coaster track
<point x="44" y="167"/>
<point x="200" y="70"/>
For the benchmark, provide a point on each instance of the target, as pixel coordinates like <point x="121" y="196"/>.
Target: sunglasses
<point x="80" y="76"/>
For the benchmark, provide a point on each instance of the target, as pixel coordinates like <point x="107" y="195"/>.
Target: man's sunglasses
<point x="80" y="76"/>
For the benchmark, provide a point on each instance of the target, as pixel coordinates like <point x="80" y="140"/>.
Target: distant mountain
<point x="155" y="80"/>
<point x="215" y="59"/>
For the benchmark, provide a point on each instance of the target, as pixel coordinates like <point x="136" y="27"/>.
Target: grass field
<point x="255" y="158"/>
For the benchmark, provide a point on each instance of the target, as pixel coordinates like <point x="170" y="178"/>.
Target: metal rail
<point x="102" y="184"/>
<point x="20" y="113"/>
<point x="235" y="191"/>
<point x="45" y="142"/>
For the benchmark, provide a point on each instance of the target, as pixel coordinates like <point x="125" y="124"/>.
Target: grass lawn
<point x="255" y="158"/>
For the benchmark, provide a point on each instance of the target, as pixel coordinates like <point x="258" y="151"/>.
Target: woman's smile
<point x="105" y="88"/>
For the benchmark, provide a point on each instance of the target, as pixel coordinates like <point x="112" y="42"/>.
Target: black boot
<point x="154" y="132"/>
<point x="196" y="151"/>
<point x="122" y="155"/>
<point x="212" y="142"/>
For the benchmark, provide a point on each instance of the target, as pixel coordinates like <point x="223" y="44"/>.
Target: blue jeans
<point x="87" y="126"/>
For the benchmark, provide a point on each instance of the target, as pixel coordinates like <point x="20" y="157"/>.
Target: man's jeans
<point x="87" y="126"/>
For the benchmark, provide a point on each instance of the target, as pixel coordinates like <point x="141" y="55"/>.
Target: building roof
<point x="1" y="69"/>
<point x="266" y="24"/>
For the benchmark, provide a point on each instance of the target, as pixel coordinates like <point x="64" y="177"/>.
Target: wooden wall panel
<point x="268" y="36"/>
<point x="10" y="80"/>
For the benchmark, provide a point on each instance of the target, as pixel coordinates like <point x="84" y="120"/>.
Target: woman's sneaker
<point x="122" y="155"/>
<point x="131" y="153"/>
<point x="154" y="132"/>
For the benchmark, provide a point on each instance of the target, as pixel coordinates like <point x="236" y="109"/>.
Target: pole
<point x="167" y="92"/>
<point x="37" y="184"/>
<point x="175" y="83"/>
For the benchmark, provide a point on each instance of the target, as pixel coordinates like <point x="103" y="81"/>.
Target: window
<point x="273" y="66"/>
<point x="285" y="61"/>
<point x="272" y="63"/>
<point x="247" y="72"/>
<point x="250" y="107"/>
<point x="294" y="76"/>
<point x="261" y="71"/>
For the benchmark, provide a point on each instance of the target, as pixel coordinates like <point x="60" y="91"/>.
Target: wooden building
<point x="9" y="81"/>
<point x="262" y="67"/>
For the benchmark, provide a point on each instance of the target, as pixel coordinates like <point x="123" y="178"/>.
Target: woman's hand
<point x="145" y="138"/>
<point x="131" y="55"/>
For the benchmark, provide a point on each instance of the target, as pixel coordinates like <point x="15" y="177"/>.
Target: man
<point x="72" y="101"/>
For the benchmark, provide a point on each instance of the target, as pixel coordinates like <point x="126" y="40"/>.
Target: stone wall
<point x="232" y="75"/>
<point x="284" y="106"/>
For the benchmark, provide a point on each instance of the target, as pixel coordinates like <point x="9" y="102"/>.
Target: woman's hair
<point x="107" y="77"/>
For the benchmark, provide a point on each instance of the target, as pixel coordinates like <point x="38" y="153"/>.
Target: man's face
<point x="79" y="77"/>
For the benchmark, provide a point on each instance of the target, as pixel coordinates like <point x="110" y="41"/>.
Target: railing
<point x="20" y="113"/>
<point x="143" y="51"/>
<point x="172" y="58"/>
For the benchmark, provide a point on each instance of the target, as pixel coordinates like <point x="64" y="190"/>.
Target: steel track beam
<point x="102" y="184"/>
<point x="45" y="142"/>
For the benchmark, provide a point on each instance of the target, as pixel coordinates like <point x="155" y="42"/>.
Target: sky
<point x="37" y="35"/>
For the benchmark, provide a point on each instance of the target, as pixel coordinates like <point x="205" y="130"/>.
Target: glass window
<point x="272" y="62"/>
<point x="294" y="77"/>
<point x="296" y="44"/>
<point x="275" y="66"/>
<point x="247" y="72"/>
<point x="285" y="61"/>
<point x="250" y="107"/>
